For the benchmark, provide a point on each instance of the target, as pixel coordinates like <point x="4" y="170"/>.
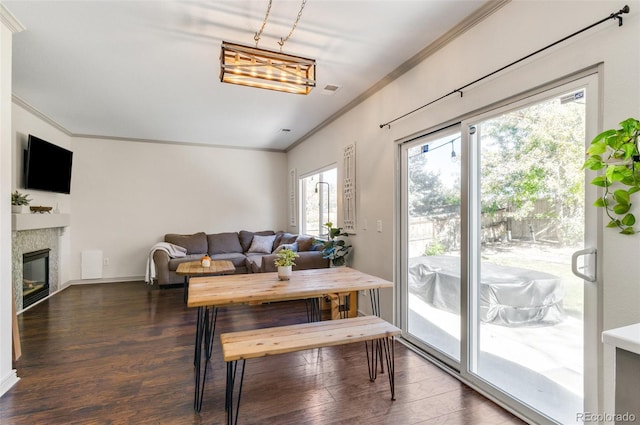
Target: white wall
<point x="127" y="195"/>
<point x="512" y="32"/>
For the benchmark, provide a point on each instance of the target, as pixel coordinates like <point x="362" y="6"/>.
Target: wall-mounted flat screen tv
<point x="47" y="166"/>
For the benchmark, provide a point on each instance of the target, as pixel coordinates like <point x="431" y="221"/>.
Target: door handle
<point x="574" y="264"/>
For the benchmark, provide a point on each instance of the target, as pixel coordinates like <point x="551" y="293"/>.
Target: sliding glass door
<point x="488" y="244"/>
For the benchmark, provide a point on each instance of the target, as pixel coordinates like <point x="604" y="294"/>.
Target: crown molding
<point x="33" y="110"/>
<point x="10" y="21"/>
<point x="469" y="22"/>
<point x="172" y="142"/>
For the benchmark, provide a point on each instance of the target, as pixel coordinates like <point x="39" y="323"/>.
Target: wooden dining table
<point x="208" y="293"/>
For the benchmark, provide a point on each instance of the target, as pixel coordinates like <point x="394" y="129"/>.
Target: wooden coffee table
<point x="194" y="268"/>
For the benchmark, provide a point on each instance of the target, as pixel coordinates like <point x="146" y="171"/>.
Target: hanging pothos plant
<point x="616" y="152"/>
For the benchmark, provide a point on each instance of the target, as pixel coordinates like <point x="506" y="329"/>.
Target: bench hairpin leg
<point x="372" y="350"/>
<point x="231" y="380"/>
<point x="389" y="354"/>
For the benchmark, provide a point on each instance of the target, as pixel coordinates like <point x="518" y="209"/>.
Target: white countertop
<point x="626" y="337"/>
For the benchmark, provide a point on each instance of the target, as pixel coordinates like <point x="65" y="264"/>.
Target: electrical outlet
<point x="379" y="226"/>
<point x="105" y="261"/>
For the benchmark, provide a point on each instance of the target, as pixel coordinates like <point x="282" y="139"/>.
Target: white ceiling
<point x="150" y="69"/>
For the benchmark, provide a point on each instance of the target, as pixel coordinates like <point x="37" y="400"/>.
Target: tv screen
<point x="47" y="166"/>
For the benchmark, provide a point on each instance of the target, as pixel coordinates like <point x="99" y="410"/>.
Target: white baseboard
<point x="104" y="280"/>
<point x="8" y="381"/>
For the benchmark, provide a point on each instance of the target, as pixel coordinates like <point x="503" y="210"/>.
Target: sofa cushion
<point x="195" y="244"/>
<point x="262" y="244"/>
<point x="237" y="259"/>
<point x="224" y="243"/>
<point x="305" y="243"/>
<point x="246" y="237"/>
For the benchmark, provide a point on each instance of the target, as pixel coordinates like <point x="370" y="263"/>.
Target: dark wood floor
<point x="122" y="353"/>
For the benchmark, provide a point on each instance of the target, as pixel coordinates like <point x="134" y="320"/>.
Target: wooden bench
<point x="377" y="334"/>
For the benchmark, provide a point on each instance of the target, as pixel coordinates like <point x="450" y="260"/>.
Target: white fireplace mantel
<point x="39" y="221"/>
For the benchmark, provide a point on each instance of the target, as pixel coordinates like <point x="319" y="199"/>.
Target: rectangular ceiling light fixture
<point x="266" y="69"/>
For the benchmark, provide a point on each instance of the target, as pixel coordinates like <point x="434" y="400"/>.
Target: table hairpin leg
<point x="343" y="305"/>
<point x="186" y="289"/>
<point x="314" y="313"/>
<point x="205" y="330"/>
<point x="374" y="295"/>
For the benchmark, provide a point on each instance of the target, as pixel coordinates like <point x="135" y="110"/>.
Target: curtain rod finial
<point x="618" y="15"/>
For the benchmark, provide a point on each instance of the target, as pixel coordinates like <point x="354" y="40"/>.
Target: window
<point x="319" y="197"/>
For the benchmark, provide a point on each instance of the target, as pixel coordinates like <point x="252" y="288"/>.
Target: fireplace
<point x="35" y="276"/>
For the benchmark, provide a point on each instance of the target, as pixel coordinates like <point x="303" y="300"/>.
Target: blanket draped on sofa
<point x="174" y="251"/>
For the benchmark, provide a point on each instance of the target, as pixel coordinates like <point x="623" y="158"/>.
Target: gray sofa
<point x="247" y="253"/>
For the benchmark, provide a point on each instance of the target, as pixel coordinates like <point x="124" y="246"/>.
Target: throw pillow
<point x="284" y="238"/>
<point x="246" y="237"/>
<point x="262" y="244"/>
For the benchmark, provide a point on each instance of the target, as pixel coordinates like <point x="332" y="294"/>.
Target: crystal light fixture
<point x="266" y="69"/>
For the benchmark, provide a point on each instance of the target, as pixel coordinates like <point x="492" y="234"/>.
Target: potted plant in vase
<point x="615" y="152"/>
<point x="335" y="248"/>
<point x="284" y="262"/>
<point x="19" y="202"/>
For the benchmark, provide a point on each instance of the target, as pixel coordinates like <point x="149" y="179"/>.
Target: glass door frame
<point x="403" y="296"/>
<point x="592" y="79"/>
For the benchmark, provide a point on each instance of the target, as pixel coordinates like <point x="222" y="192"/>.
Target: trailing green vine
<point x="616" y="152"/>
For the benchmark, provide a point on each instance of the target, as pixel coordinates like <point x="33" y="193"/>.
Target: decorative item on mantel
<point x="41" y="209"/>
<point x="19" y="202"/>
<point x="333" y="248"/>
<point x="284" y="262"/>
